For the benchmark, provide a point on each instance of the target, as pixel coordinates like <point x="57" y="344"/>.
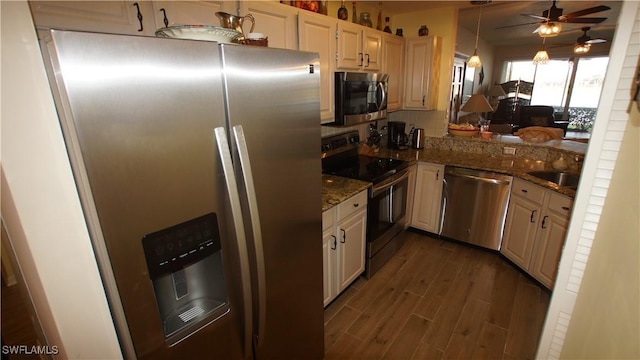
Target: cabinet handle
<point x="139" y="15"/>
<point x="165" y="20"/>
<point x="344" y="236"/>
<point x="544" y="220"/>
<point x="367" y="55"/>
<point x="423" y="98"/>
<point x="361" y="59"/>
<point x="533" y="213"/>
<point x="438" y="174"/>
<point x="356" y="205"/>
<point x="335" y="242"/>
<point x="565" y="208"/>
<point x="524" y="191"/>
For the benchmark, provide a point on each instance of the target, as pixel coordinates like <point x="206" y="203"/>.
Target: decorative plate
<point x="199" y="32"/>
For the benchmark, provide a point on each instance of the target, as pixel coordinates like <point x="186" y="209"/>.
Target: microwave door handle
<point x="383" y="97"/>
<point x="222" y="144"/>
<point x="254" y="216"/>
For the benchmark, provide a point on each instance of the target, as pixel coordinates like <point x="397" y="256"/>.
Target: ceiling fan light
<point x="474" y="60"/>
<point x="550" y="29"/>
<point x="580" y="49"/>
<point x="542" y="57"/>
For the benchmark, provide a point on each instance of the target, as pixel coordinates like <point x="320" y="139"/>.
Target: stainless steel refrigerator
<point x="198" y="171"/>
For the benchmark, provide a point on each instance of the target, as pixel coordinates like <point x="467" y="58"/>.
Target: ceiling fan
<point x="583" y="43"/>
<point x="554" y="16"/>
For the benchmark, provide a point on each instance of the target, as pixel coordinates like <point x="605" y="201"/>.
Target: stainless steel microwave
<point x="359" y="98"/>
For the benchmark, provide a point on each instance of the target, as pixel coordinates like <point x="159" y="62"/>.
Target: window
<point x="553" y="81"/>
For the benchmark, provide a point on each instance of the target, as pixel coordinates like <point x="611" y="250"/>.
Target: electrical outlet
<point x="507" y="150"/>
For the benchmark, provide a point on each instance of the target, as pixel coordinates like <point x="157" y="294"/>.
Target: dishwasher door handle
<point x="480" y="179"/>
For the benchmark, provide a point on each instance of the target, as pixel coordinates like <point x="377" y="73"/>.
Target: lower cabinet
<point x="535" y="230"/>
<point x="344" y="230"/>
<point x="427" y="202"/>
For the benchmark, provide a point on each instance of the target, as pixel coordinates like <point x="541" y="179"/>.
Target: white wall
<point x="594" y="306"/>
<point x="40" y="205"/>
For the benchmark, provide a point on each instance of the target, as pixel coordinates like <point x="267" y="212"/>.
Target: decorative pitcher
<point x="235" y="22"/>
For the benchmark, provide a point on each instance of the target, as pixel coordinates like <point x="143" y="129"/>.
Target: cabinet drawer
<point x="560" y="204"/>
<point x="328" y="219"/>
<point x="352" y="205"/>
<point x="528" y="190"/>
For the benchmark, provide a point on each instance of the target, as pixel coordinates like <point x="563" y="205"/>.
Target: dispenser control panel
<point x="173" y="248"/>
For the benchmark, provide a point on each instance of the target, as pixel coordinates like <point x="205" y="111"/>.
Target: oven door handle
<point x="377" y="189"/>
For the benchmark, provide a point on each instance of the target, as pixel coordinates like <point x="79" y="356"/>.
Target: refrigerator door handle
<point x="245" y="165"/>
<point x="234" y="198"/>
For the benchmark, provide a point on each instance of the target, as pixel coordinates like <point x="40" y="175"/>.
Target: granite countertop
<point x="487" y="155"/>
<point x="336" y="189"/>
<point x="472" y="153"/>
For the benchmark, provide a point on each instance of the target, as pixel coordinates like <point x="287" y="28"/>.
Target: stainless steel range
<point x="386" y="209"/>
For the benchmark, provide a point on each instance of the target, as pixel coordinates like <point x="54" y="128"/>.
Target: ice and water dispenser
<point x="185" y="266"/>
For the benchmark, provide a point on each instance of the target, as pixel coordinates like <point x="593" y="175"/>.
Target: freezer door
<point x="274" y="116"/>
<point x="138" y="116"/>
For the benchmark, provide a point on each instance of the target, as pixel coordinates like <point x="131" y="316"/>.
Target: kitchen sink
<point x="558" y="177"/>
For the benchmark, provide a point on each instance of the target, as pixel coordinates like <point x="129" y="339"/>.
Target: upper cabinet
<point x="190" y="12"/>
<point x="359" y="48"/>
<point x="274" y="20"/>
<point x="393" y="65"/>
<point x="423" y="72"/>
<point x="125" y="17"/>
<point x="316" y="33"/>
<point x="118" y="17"/>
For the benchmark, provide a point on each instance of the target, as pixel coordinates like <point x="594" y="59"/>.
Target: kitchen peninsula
<point x="475" y="153"/>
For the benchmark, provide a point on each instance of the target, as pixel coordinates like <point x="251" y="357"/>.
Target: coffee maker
<point x="398" y="139"/>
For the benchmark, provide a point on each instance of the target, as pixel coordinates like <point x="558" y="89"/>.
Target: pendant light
<point x="474" y="60"/>
<point x="541" y="57"/>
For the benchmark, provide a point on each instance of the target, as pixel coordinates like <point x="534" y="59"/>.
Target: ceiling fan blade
<point x="535" y="16"/>
<point x="510" y="26"/>
<point x="584" y="20"/>
<point x="584" y="12"/>
<point x="596" y="41"/>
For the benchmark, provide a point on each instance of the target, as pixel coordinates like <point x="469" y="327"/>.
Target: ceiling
<point x="499" y="13"/>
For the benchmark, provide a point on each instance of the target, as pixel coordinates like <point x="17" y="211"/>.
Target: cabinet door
<point x="520" y="230"/>
<point x="191" y="12"/>
<point x="276" y="21"/>
<point x="316" y="33"/>
<point x="372" y="49"/>
<point x="351" y="242"/>
<point x="428" y="197"/>
<point x="423" y="73"/>
<point x="411" y="189"/>
<point x="329" y="256"/>
<point x="116" y="17"/>
<point x="393" y="65"/>
<point x="350" y="52"/>
<point x="549" y="244"/>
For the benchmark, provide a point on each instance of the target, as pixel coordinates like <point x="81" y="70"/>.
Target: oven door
<point x="387" y="210"/>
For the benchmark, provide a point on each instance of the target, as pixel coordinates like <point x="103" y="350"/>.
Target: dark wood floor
<point x="438" y="299"/>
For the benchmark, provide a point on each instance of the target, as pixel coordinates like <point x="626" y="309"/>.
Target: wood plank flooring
<point x="437" y="299"/>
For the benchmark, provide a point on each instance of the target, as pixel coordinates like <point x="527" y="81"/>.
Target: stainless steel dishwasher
<point x="475" y="206"/>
